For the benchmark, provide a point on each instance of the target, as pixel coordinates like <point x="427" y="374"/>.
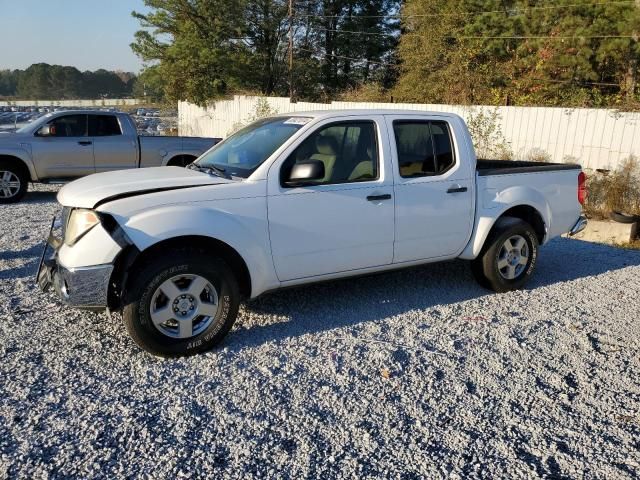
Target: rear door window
<point x="104" y="126"/>
<point x="424" y="148"/>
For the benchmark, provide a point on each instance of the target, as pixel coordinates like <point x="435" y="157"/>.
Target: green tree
<point x="353" y="39"/>
<point x="206" y="48"/>
<point x="149" y="85"/>
<point x="53" y="82"/>
<point x="35" y="82"/>
<point x="266" y="28"/>
<point x="565" y="53"/>
<point x="198" y="45"/>
<point x="8" y="82"/>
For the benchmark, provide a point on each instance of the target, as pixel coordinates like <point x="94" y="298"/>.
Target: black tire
<point x="142" y="289"/>
<point x="16" y="172"/>
<point x="622" y="217"/>
<point x="181" y="161"/>
<point x="485" y="268"/>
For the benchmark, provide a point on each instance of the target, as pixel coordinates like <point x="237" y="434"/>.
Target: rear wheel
<point x="508" y="257"/>
<point x="14" y="181"/>
<point x="182" y="303"/>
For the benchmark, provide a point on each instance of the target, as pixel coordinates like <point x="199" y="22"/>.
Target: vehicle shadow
<point x="32" y="252"/>
<point x="39" y="196"/>
<point x="349" y="302"/>
<point x="31" y="256"/>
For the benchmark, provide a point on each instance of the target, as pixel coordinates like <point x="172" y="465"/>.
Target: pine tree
<point x="461" y="51"/>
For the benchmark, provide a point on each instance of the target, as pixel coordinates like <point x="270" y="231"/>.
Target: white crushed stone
<point x="414" y="374"/>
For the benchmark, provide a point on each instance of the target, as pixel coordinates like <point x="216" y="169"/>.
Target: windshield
<point x="244" y="151"/>
<point x="40" y="121"/>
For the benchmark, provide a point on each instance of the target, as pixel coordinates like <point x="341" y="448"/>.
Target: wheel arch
<point x="530" y="215"/>
<point x="177" y="158"/>
<point x="23" y="164"/>
<point x="486" y="225"/>
<point x="131" y="259"/>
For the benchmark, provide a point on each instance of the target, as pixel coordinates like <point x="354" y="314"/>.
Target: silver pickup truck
<point x="62" y="146"/>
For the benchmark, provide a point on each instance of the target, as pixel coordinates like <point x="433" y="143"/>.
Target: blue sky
<point x="87" y="34"/>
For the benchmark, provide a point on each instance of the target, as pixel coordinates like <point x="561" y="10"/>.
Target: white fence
<point x="596" y="138"/>
<point x="100" y="102"/>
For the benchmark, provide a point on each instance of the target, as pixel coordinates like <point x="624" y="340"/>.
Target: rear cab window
<point x="104" y="126"/>
<point x="424" y="147"/>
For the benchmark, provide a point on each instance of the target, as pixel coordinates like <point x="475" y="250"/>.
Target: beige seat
<point x="233" y="158"/>
<point x="326" y="148"/>
<point x="362" y="170"/>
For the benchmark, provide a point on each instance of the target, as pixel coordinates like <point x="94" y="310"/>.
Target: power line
<point x="542" y="80"/>
<point x="582" y="82"/>
<point x="483" y="37"/>
<point x="469" y="13"/>
<point x="348" y="58"/>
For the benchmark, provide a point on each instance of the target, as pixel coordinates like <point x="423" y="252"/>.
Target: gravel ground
<point x="415" y="374"/>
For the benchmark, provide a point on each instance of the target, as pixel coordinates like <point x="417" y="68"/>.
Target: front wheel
<point x="508" y="257"/>
<point x="181" y="303"/>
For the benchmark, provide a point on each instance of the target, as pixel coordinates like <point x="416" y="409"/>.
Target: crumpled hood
<point x="88" y="192"/>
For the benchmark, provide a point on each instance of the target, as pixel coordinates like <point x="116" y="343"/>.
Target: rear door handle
<point x="85" y="142"/>
<point x="373" y="198"/>
<point x="457" y="189"/>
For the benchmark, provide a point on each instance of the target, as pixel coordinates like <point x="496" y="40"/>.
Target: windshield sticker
<point x="297" y="121"/>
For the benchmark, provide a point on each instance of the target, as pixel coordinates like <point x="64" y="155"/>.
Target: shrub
<point x="262" y="109"/>
<point x="538" y="155"/>
<point x="485" y="130"/>
<point x="618" y="190"/>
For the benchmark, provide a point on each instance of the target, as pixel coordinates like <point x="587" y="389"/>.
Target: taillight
<point x="582" y="188"/>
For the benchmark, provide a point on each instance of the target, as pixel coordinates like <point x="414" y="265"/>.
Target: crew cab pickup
<point x="62" y="146"/>
<point x="294" y="199"/>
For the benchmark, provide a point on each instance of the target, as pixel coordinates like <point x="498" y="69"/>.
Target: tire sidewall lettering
<point x="533" y="246"/>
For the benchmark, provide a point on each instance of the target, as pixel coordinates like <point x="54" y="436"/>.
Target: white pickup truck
<point x="294" y="199"/>
<point x="62" y="146"/>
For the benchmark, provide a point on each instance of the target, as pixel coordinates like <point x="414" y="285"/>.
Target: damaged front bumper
<point x="81" y="287"/>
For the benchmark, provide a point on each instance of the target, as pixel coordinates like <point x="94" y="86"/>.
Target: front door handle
<point x="456" y="189"/>
<point x="85" y="142"/>
<point x="374" y="198"/>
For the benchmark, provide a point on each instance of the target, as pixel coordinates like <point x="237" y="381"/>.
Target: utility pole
<point x="290" y="50"/>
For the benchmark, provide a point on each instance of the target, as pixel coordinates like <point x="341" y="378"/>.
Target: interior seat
<point x="327" y="149"/>
<point x="363" y="169"/>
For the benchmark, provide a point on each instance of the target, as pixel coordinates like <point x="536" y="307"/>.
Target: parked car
<point x="66" y="145"/>
<point x="295" y="199"/>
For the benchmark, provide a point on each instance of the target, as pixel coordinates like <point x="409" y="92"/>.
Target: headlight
<point x="80" y="222"/>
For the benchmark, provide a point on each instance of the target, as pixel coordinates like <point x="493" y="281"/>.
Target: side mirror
<point x="304" y="172"/>
<point x="47" y="131"/>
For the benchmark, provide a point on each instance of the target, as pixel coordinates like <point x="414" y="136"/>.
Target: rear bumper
<point x="579" y="226"/>
<point x="82" y="287"/>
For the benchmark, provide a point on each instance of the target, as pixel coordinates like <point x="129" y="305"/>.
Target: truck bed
<point x="506" y="167"/>
<point x="151" y="146"/>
